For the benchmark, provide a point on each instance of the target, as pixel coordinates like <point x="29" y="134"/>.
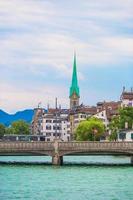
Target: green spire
<point x="74" y="86"/>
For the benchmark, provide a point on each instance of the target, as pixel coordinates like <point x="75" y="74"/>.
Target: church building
<point x="74" y="89"/>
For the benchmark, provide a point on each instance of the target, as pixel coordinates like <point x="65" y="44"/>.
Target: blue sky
<point x="37" y="42"/>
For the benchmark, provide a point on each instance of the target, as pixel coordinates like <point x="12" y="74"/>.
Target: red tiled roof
<point x="127" y="95"/>
<point x="88" y="110"/>
<point x="110" y="107"/>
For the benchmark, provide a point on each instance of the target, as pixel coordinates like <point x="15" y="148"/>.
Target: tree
<point x="91" y="129"/>
<point x="9" y="131"/>
<point x="114" y="127"/>
<point x="2" y="130"/>
<point x="20" y="127"/>
<point x="118" y="122"/>
<point x="126" y="116"/>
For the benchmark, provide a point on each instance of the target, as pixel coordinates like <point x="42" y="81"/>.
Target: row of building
<point x="61" y="123"/>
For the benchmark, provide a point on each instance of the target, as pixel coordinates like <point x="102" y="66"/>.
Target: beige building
<point x="127" y="98"/>
<point x="36" y="125"/>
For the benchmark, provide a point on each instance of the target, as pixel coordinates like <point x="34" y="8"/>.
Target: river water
<point x="80" y="178"/>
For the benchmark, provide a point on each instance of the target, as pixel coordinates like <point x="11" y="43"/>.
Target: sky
<point x="37" y="43"/>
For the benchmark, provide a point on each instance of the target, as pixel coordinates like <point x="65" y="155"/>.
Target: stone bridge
<point x="58" y="149"/>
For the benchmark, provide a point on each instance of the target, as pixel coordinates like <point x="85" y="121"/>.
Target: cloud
<point x="54" y="30"/>
<point x="37" y="52"/>
<point x="23" y="13"/>
<point x="38" y="39"/>
<point x="121" y="45"/>
<point x="17" y="98"/>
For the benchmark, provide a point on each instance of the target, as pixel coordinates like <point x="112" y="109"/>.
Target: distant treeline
<point x="17" y="127"/>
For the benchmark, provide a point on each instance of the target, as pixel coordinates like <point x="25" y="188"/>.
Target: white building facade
<point x="125" y="135"/>
<point x="103" y="117"/>
<point x="55" y="127"/>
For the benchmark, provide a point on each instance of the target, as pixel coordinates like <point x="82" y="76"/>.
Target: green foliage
<point x="118" y="122"/>
<point x="91" y="129"/>
<point x="10" y="131"/>
<point x="2" y="129"/>
<point x="113" y="136"/>
<point x="114" y="127"/>
<point x="126" y="115"/>
<point x="19" y="127"/>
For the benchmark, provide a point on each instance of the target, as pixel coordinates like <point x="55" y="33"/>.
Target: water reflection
<point x="67" y="160"/>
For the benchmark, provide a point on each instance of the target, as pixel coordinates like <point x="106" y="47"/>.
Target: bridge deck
<point x="58" y="149"/>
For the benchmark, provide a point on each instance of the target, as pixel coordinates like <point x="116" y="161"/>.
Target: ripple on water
<point x="73" y="182"/>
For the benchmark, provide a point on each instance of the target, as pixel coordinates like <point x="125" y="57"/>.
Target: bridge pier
<point x="131" y="160"/>
<point x="57" y="160"/>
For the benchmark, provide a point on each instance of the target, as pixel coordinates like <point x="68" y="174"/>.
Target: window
<point x="56" y="134"/>
<point x="42" y="138"/>
<point x="122" y="136"/>
<point x="56" y="128"/>
<point x="40" y="120"/>
<point x="48" y="127"/>
<point x="56" y="121"/>
<point x="33" y="138"/>
<point x="48" y="134"/>
<point x="48" y="121"/>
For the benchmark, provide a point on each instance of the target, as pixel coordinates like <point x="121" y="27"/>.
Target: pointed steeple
<point x="74" y="86"/>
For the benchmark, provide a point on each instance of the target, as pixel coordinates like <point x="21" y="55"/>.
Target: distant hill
<point x="7" y="119"/>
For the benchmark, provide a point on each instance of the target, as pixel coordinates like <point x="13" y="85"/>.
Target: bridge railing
<point x="25" y="146"/>
<point x="95" y="145"/>
<point x="65" y="146"/>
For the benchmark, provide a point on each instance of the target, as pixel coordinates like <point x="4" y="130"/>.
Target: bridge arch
<point x="86" y="152"/>
<point x="58" y="149"/>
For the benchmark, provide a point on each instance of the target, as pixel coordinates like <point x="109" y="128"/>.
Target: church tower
<point x="74" y="89"/>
